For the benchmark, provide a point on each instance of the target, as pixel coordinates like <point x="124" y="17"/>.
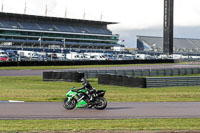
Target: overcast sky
<point x="131" y="14"/>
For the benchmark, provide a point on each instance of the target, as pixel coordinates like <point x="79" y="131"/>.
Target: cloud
<point x="132" y="14"/>
<point x="187" y="13"/>
<point x="137" y="16"/>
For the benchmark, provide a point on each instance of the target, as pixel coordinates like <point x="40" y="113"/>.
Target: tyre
<point x="69" y="105"/>
<point x="102" y="103"/>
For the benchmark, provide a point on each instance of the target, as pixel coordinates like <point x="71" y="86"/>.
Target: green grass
<point x="33" y="89"/>
<point x="88" y="125"/>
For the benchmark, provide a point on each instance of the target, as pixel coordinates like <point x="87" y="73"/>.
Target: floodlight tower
<point x="168" y="27"/>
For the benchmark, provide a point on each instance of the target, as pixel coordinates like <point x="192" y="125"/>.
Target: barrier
<point x="142" y="72"/>
<point x="62" y="76"/>
<point x="154" y="82"/>
<point x="85" y="62"/>
<point x="149" y="82"/>
<point x="128" y="77"/>
<point x="119" y="80"/>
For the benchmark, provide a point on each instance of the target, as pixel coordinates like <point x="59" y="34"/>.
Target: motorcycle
<point x="79" y="98"/>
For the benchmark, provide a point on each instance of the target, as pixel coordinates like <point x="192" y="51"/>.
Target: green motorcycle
<point x="79" y="98"/>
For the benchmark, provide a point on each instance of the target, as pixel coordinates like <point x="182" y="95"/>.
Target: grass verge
<point x="91" y="125"/>
<point x="33" y="89"/>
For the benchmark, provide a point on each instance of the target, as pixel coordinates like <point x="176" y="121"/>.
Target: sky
<point x="132" y="15"/>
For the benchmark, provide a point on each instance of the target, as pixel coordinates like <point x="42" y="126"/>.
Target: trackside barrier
<point x="62" y="76"/>
<point x="132" y="78"/>
<point x="119" y="80"/>
<point x="142" y="72"/>
<point x="85" y="62"/>
<point x="155" y="82"/>
<point x="149" y="82"/>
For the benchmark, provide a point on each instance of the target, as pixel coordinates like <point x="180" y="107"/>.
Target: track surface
<point x="40" y="72"/>
<point x="113" y="111"/>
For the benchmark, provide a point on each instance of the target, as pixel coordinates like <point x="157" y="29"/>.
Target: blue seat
<point x="30" y="26"/>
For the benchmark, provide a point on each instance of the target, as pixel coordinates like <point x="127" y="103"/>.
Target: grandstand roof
<point x="11" y="21"/>
<point x="153" y="42"/>
<point x="14" y="16"/>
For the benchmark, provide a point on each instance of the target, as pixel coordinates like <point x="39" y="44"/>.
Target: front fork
<point x="69" y="99"/>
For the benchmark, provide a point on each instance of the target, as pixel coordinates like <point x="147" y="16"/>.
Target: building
<point x="20" y="31"/>
<point x="181" y="45"/>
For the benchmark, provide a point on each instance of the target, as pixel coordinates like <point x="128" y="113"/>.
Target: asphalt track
<point x="47" y="110"/>
<point x="40" y="72"/>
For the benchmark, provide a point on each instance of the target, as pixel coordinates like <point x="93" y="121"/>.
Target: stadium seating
<point x="64" y="28"/>
<point x="54" y="27"/>
<point x="29" y="26"/>
<point x="31" y="31"/>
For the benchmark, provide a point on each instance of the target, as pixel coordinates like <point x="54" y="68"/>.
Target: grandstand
<point x="41" y="32"/>
<point x="181" y="45"/>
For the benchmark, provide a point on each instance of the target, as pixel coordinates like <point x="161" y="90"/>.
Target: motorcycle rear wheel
<point x="102" y="103"/>
<point x="69" y="105"/>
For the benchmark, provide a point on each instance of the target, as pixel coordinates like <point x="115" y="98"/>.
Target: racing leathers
<point x="90" y="90"/>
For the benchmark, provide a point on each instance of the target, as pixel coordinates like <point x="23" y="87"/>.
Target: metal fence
<point x="143" y="72"/>
<point x="149" y="82"/>
<point x="143" y="77"/>
<point x="172" y="81"/>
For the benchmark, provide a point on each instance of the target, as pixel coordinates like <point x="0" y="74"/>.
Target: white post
<point x="25" y="8"/>
<point x="101" y="18"/>
<point x="2" y="7"/>
<point x="46" y="10"/>
<point x="64" y="43"/>
<point x="84" y="14"/>
<point x="40" y="42"/>
<point x="66" y="12"/>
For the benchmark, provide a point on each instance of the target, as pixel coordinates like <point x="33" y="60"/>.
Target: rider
<point x="87" y="86"/>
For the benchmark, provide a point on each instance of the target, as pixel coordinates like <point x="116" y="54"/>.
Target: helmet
<point x="83" y="80"/>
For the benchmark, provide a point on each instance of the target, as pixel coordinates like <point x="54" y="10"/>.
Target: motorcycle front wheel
<point x="69" y="105"/>
<point x="101" y="103"/>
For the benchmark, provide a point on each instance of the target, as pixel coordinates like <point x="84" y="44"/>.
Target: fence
<point x="128" y="77"/>
<point x="121" y="80"/>
<point x="172" y="81"/>
<point x="149" y="82"/>
<point x="62" y="76"/>
<point x="143" y="72"/>
<point x="84" y="62"/>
